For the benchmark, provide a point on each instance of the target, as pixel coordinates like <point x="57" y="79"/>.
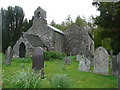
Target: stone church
<point x="72" y="42"/>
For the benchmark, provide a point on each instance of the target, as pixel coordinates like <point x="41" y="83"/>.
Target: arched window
<point x="39" y="15"/>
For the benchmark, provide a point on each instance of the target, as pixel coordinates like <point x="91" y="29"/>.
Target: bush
<point x="24" y="79"/>
<point x="22" y="60"/>
<point x="51" y="55"/>
<point x="60" y="81"/>
<point x="73" y="58"/>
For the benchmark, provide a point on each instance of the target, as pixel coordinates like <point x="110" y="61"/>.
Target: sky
<point x="57" y="10"/>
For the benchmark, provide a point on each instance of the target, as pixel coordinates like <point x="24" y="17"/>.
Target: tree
<point x="109" y="19"/>
<point x="64" y="25"/>
<point x="12" y="25"/>
<point x="80" y="22"/>
<point x="27" y="24"/>
<point x="67" y="22"/>
<point x="100" y="41"/>
<point x="18" y="26"/>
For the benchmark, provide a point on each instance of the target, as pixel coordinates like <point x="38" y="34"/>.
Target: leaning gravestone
<point x="84" y="64"/>
<point x="118" y="61"/>
<point x="8" y="55"/>
<point x="38" y="60"/>
<point x="67" y="60"/>
<point x="101" y="61"/>
<point x="114" y="65"/>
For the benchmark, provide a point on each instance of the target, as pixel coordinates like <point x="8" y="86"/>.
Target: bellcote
<point x="40" y="16"/>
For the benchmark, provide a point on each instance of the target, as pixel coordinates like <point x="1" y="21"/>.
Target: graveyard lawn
<point x="77" y="78"/>
<point x="0" y="70"/>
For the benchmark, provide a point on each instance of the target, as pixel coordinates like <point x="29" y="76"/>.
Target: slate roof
<point x="34" y="40"/>
<point x="55" y="29"/>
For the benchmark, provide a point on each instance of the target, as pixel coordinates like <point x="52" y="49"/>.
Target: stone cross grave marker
<point x="101" y="58"/>
<point x="118" y="61"/>
<point x="67" y="60"/>
<point x="8" y="55"/>
<point x="84" y="64"/>
<point x="38" y="60"/>
<point x="114" y="65"/>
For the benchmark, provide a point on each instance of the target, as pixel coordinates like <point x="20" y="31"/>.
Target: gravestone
<point x="84" y="64"/>
<point x="8" y="55"/>
<point x="114" y="65"/>
<point x="90" y="56"/>
<point x="118" y="61"/>
<point x="101" y="61"/>
<point x="38" y="60"/>
<point x="67" y="60"/>
<point x="78" y="57"/>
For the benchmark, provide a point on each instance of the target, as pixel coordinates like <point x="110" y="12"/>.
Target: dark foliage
<point x="109" y="19"/>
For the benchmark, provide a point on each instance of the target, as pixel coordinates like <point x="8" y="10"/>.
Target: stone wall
<point x="44" y="33"/>
<point x="77" y="41"/>
<point x="17" y="46"/>
<point x="58" y="42"/>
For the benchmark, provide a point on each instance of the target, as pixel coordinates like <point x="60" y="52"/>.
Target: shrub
<point x="22" y="60"/>
<point x="24" y="79"/>
<point x="51" y="55"/>
<point x="73" y="58"/>
<point x="60" y="81"/>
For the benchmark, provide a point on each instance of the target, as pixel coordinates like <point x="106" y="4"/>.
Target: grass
<point x="60" y="81"/>
<point x="24" y="79"/>
<point x="57" y="67"/>
<point x="0" y="70"/>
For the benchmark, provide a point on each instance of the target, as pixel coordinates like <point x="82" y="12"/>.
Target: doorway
<point x="22" y="50"/>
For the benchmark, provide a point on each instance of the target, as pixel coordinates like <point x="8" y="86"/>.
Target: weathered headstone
<point x="114" y="65"/>
<point x="38" y="60"/>
<point x="111" y="61"/>
<point x="8" y="55"/>
<point x="101" y="61"/>
<point x="118" y="61"/>
<point x="78" y="57"/>
<point x="67" y="60"/>
<point x="84" y="64"/>
<point x="90" y="56"/>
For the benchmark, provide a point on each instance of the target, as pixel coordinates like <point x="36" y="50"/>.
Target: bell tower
<point x="39" y="16"/>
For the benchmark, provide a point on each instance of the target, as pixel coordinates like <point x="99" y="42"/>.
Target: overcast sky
<point x="57" y="10"/>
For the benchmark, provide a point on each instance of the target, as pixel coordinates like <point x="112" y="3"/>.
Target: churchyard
<point x="44" y="56"/>
<point x="57" y="74"/>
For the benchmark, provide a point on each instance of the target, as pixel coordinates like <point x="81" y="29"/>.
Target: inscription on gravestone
<point x="38" y="60"/>
<point x="8" y="55"/>
<point x="118" y="61"/>
<point x="101" y="59"/>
